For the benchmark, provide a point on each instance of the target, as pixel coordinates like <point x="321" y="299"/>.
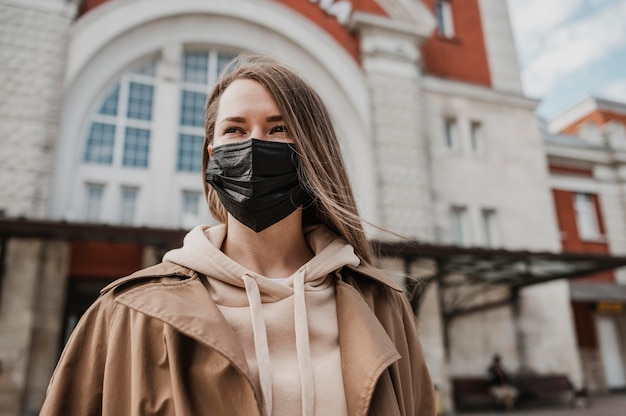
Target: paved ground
<point x="614" y="405"/>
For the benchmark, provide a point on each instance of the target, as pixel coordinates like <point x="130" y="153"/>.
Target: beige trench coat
<point x="155" y="343"/>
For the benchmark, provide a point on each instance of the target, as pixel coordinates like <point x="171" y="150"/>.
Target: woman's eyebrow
<point x="233" y="120"/>
<point x="272" y="119"/>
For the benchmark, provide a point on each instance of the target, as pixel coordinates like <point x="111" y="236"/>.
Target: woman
<point x="273" y="312"/>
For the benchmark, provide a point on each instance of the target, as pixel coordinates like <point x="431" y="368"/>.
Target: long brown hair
<point x="322" y="169"/>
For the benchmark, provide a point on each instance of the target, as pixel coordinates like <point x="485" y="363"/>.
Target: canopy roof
<point x="516" y="269"/>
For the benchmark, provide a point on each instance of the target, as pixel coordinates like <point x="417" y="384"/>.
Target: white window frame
<point x="587" y="222"/>
<point x="190" y="218"/>
<point x="489" y="218"/>
<point x="127" y="214"/>
<point x="477" y="136"/>
<point x="444" y="18"/>
<point x="451" y="133"/>
<point x="92" y="209"/>
<point x="459" y="226"/>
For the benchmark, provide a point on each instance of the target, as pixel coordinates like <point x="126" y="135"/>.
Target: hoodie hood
<point x="258" y="308"/>
<point x="201" y="252"/>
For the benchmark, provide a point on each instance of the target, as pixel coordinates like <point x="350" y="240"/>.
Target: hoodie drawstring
<point x="303" y="348"/>
<point x="261" y="346"/>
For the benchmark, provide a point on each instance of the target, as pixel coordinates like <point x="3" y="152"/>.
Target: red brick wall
<point x="312" y="11"/>
<point x="464" y="57"/>
<point x="101" y="260"/>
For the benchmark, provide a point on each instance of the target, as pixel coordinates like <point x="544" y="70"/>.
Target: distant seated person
<point x="499" y="384"/>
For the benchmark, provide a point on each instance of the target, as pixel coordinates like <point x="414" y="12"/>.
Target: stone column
<point x="391" y="62"/>
<point x="33" y="43"/>
<point x="32" y="302"/>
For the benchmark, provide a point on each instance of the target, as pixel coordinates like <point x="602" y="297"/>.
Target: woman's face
<point x="245" y="111"/>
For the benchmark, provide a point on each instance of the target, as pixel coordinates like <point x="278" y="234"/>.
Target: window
<point x="100" y="143"/>
<point x="119" y="131"/>
<point x="490" y="228"/>
<point x="190" y="209"/>
<point x="459" y="226"/>
<point x="140" y="101"/>
<point x="190" y="152"/>
<point x="451" y="132"/>
<point x="128" y="205"/>
<point x="200" y="70"/>
<point x="93" y="202"/>
<point x="136" y="147"/>
<point x="443" y="13"/>
<point x="476" y="136"/>
<point x="586" y="216"/>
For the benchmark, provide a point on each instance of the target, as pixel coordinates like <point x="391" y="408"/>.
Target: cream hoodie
<point x="288" y="329"/>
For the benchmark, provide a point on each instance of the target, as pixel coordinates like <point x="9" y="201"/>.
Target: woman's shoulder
<point x="364" y="274"/>
<point x="163" y="273"/>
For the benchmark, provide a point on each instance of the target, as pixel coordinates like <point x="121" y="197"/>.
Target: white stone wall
<point x="548" y="326"/>
<point x="500" y="45"/>
<point x="33" y="41"/>
<point x="391" y="65"/>
<point x="508" y="174"/>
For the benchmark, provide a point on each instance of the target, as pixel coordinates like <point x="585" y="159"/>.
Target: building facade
<point x="102" y="127"/>
<point x="586" y="146"/>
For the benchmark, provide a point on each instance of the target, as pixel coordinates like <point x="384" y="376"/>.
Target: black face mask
<point x="257" y="181"/>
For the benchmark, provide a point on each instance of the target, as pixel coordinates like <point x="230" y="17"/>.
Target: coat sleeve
<point x="76" y="385"/>
<point x="423" y="392"/>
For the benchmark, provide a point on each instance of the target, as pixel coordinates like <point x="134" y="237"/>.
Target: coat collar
<point x="376" y="275"/>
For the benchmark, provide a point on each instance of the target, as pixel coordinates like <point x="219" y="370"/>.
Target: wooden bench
<point x="545" y="388"/>
<point x="472" y="393"/>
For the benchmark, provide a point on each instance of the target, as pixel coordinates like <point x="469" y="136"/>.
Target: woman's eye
<point x="279" y="129"/>
<point x="231" y="130"/>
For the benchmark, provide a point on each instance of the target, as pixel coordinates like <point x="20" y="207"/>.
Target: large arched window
<point x="200" y="70"/>
<point x="120" y="129"/>
<point x="131" y="154"/>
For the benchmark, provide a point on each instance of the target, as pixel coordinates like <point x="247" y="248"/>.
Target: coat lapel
<point x="187" y="307"/>
<point x="366" y="349"/>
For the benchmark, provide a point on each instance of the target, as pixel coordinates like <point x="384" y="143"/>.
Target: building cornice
<point x="477" y="92"/>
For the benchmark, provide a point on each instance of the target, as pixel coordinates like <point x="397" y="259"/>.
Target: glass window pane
<point x="192" y="108"/>
<point x="451" y="133"/>
<point x="586" y="216"/>
<point x="222" y="61"/>
<point x="195" y="67"/>
<point x="93" y="202"/>
<point x="109" y="106"/>
<point x="190" y="152"/>
<point x="190" y="202"/>
<point x="100" y="141"/>
<point x="190" y="209"/>
<point x="459" y="226"/>
<point x="136" y="147"/>
<point x="476" y="133"/>
<point x="128" y="202"/>
<point x="490" y="228"/>
<point x="140" y="101"/>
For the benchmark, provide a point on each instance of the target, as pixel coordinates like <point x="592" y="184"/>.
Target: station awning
<point x="516" y="269"/>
